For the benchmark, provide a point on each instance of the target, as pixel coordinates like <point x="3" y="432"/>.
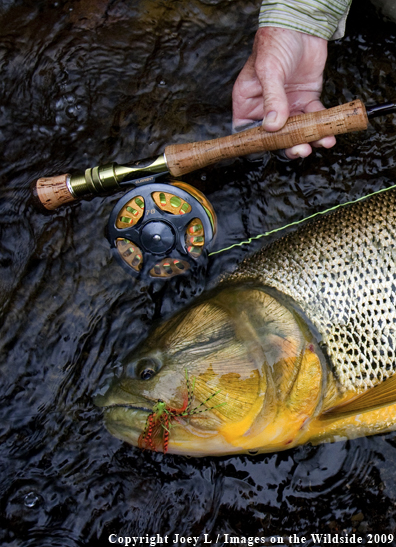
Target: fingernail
<point x="270" y="117"/>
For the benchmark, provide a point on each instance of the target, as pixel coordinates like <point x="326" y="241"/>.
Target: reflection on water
<point x="84" y="82"/>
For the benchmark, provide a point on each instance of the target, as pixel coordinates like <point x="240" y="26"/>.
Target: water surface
<point x="86" y="82"/>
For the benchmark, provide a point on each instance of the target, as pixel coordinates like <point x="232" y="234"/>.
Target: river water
<point x="91" y="81"/>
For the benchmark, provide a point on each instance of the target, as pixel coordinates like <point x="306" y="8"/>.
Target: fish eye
<point x="147" y="373"/>
<point x="147" y="368"/>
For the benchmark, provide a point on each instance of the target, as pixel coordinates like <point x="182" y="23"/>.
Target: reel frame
<point x="161" y="230"/>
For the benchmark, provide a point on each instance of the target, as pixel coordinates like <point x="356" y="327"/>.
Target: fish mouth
<point x="122" y="410"/>
<point x="117" y="397"/>
<point x="124" y="415"/>
<point x="128" y="405"/>
<point x="126" y="421"/>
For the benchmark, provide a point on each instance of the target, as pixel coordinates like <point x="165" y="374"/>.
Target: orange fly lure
<point x="162" y="418"/>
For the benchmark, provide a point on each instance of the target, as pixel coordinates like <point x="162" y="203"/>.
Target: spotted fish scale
<point x="340" y="270"/>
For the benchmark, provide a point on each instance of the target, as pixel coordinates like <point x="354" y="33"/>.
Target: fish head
<point x="213" y="378"/>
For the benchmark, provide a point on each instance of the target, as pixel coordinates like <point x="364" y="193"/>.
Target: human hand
<point x="283" y="77"/>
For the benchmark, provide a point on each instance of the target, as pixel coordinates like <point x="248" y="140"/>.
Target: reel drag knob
<point x="161" y="230"/>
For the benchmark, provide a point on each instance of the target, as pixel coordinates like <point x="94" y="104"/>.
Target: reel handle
<point x="184" y="158"/>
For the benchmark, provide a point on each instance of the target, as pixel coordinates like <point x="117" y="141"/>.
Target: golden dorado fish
<point x="298" y="345"/>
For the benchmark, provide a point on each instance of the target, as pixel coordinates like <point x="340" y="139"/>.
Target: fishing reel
<point x="161" y="230"/>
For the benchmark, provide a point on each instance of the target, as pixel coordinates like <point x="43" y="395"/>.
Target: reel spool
<point x="161" y="230"/>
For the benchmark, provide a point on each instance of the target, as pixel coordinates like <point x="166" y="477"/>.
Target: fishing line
<point x="297" y="222"/>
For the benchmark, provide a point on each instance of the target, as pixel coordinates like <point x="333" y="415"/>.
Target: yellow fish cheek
<point x="235" y="399"/>
<point x="278" y="423"/>
<point x="233" y="432"/>
<point x="244" y="402"/>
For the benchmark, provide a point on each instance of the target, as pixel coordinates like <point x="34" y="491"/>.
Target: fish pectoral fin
<point x="383" y="394"/>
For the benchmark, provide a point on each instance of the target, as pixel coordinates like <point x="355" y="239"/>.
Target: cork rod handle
<point x="52" y="192"/>
<point x="184" y="158"/>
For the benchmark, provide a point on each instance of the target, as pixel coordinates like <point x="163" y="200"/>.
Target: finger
<point x="326" y="142"/>
<point x="270" y="73"/>
<point x="276" y="107"/>
<point x="298" y="151"/>
<point x="304" y="150"/>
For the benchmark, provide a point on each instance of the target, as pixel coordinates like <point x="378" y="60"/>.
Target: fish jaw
<point x="127" y="415"/>
<point x="127" y="424"/>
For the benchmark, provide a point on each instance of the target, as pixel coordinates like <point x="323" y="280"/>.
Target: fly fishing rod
<point x="180" y="159"/>
<point x="158" y="228"/>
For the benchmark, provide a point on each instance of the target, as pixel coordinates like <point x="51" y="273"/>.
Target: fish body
<point x="297" y="345"/>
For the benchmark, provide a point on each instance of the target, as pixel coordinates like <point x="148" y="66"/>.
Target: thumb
<point x="276" y="106"/>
